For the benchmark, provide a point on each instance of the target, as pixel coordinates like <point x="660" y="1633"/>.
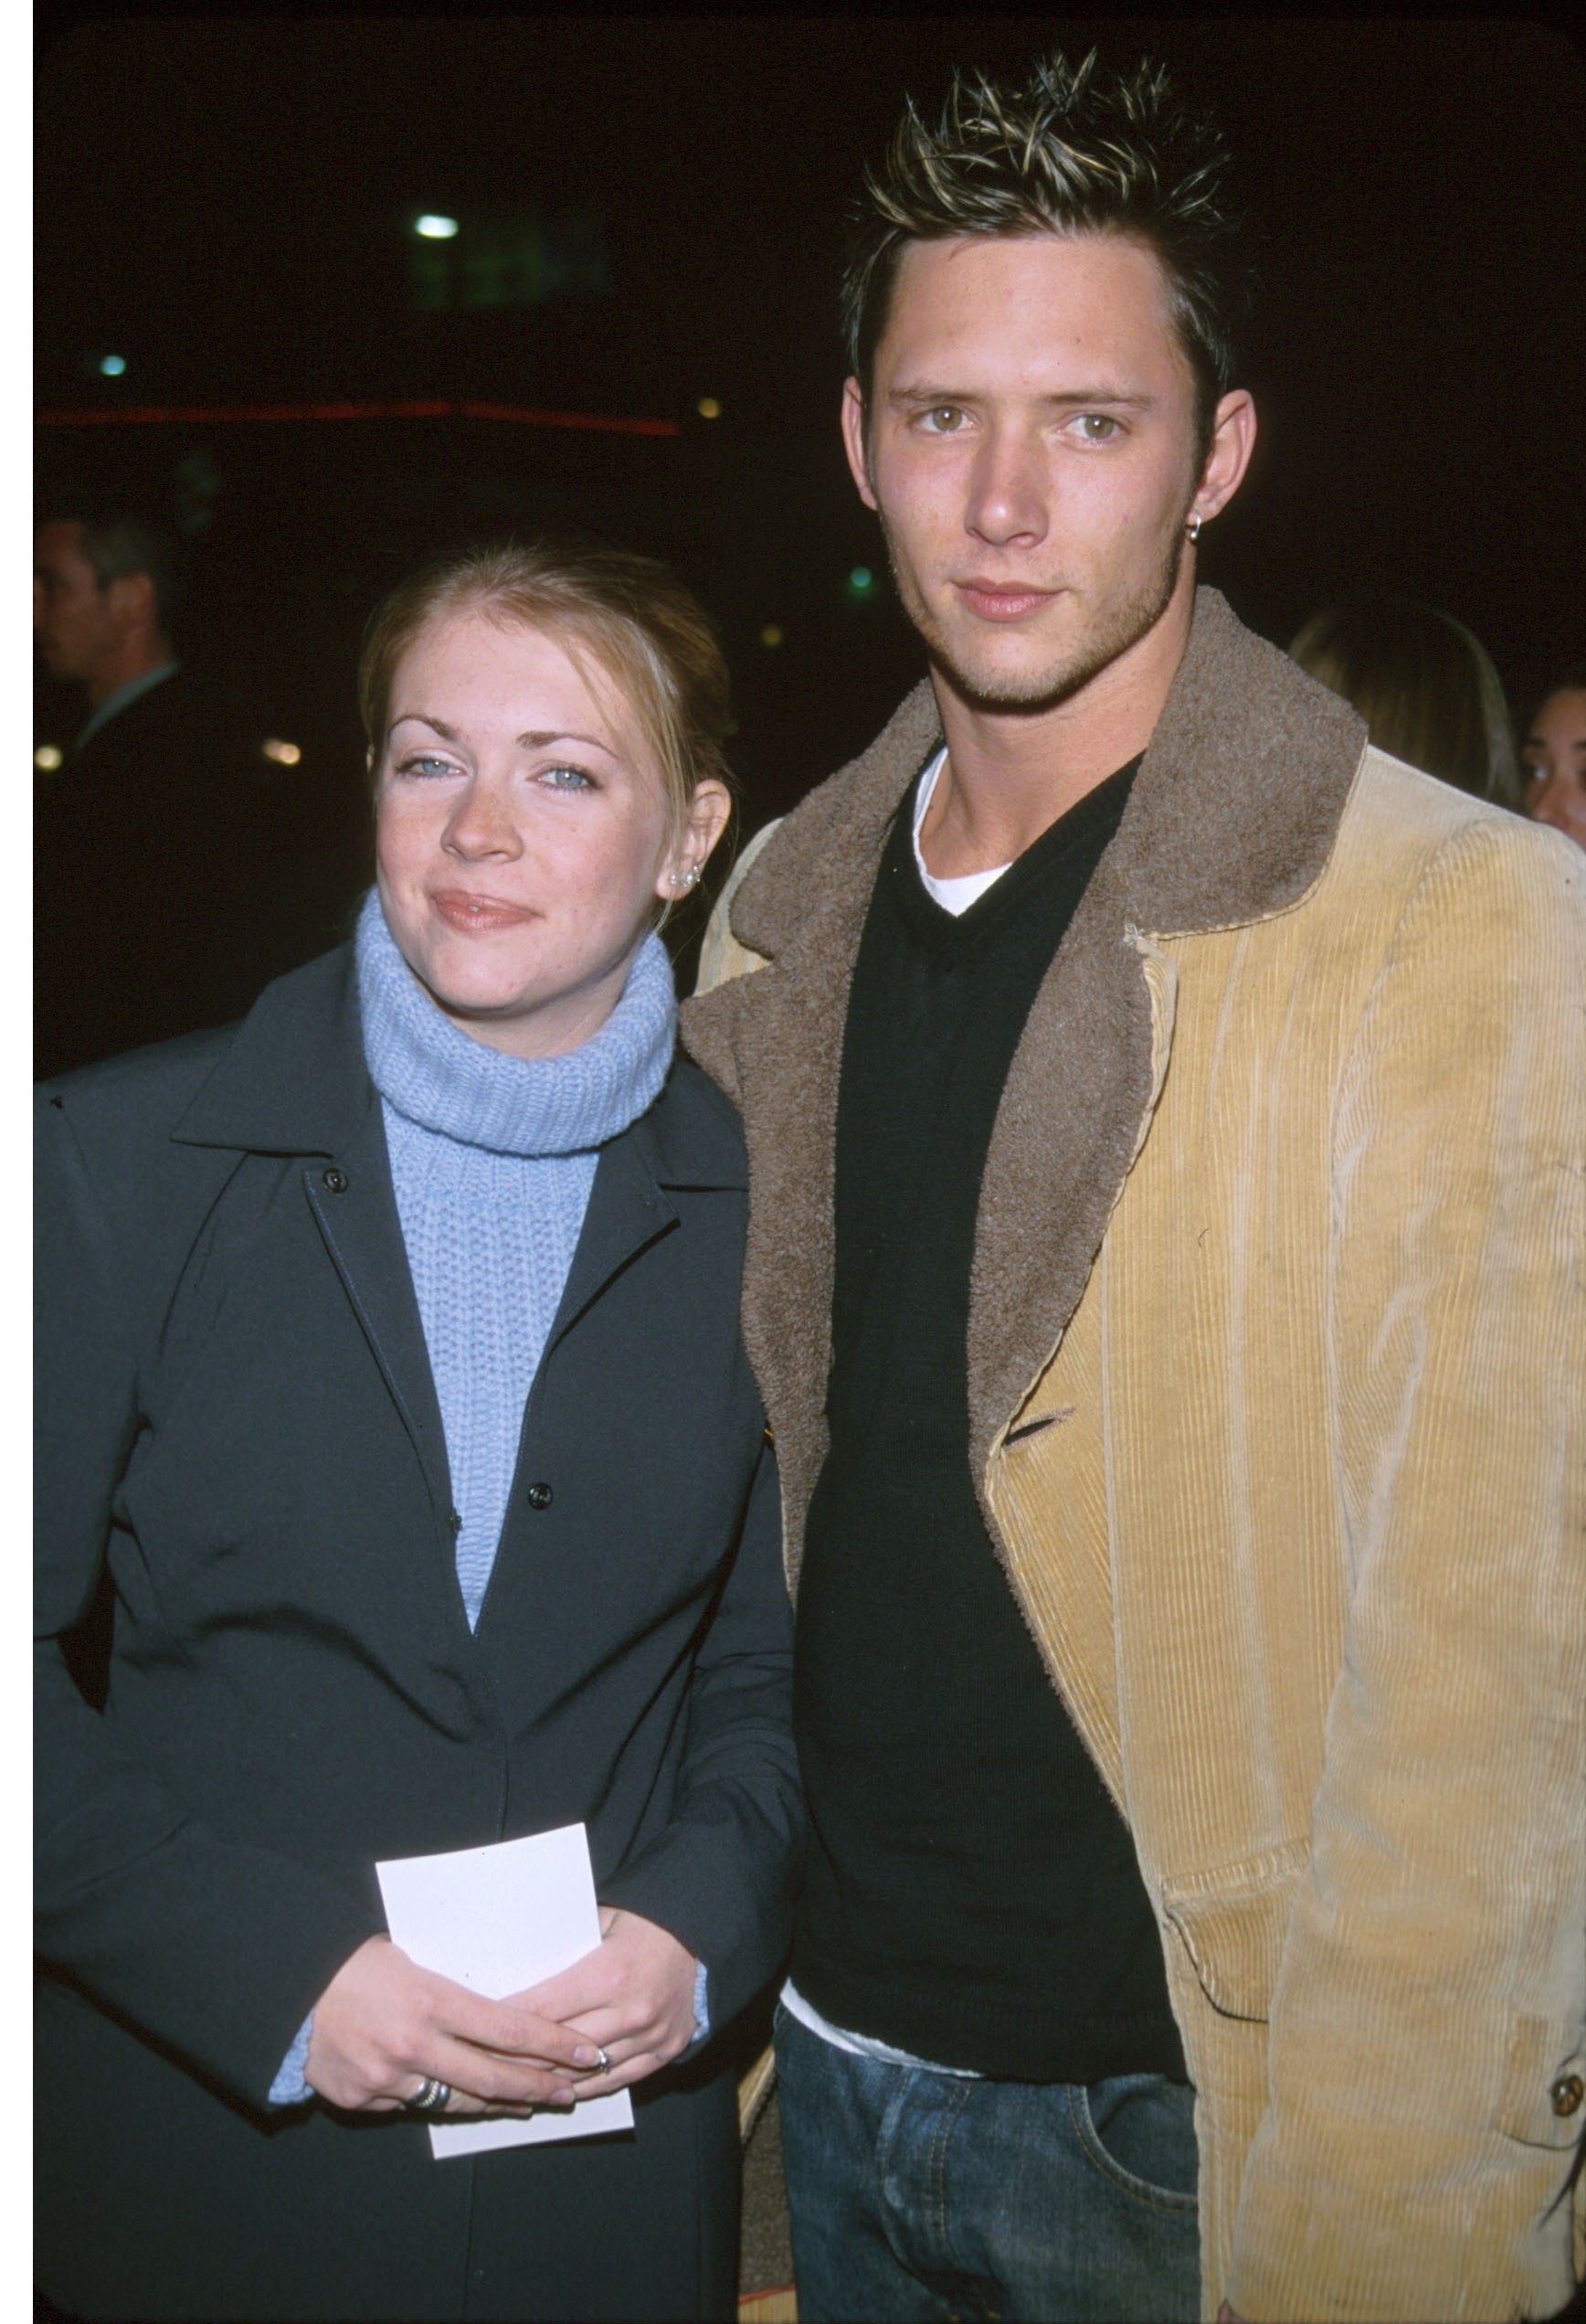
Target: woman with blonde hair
<point x="1425" y="685"/>
<point x="389" y="1356"/>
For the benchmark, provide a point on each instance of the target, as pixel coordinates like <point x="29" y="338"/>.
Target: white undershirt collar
<point x="953" y="895"/>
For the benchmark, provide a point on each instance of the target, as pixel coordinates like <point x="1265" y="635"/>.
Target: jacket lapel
<point x="1232" y="816"/>
<point x="1072" y="1116"/>
<point x="293" y="1082"/>
<point x="627" y="1211"/>
<point x="675" y="1144"/>
<point x="774" y="1041"/>
<point x="354" y="1205"/>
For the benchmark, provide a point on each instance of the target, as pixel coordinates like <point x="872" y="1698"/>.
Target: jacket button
<point x="1567" y="2093"/>
<point x="336" y="1181"/>
<point x="454" y="1521"/>
<point x="539" y="1496"/>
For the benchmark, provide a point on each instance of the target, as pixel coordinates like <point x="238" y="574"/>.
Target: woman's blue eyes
<point x="555" y="778"/>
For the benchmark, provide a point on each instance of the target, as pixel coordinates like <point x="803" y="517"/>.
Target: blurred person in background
<point x="1553" y="757"/>
<point x="390" y="1361"/>
<point x="1425" y="685"/>
<point x="147" y="843"/>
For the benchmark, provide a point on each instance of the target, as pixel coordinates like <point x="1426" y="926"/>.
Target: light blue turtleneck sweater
<point x="492" y="1158"/>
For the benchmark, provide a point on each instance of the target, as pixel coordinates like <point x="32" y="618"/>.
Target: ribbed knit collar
<point x="438" y="1076"/>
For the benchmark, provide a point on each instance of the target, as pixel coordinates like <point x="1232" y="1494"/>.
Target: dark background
<point x="651" y="212"/>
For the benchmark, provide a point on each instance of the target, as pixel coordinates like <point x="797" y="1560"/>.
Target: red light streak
<point x="206" y="414"/>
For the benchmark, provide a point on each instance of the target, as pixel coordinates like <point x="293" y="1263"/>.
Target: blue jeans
<point x="917" y="2195"/>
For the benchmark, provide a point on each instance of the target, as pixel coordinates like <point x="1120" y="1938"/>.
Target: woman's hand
<point x="383" y="2025"/>
<point x="633" y="1995"/>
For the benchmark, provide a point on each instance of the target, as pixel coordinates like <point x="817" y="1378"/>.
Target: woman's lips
<point x="997" y="601"/>
<point x="477" y="915"/>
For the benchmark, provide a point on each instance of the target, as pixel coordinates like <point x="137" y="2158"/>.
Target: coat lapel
<point x="354" y="1204"/>
<point x="627" y="1212"/>
<point x="294" y="1082"/>
<point x="1232" y="817"/>
<point x="774" y="1041"/>
<point x="1072" y="1116"/>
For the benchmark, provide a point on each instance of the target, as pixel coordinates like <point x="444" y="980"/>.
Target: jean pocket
<point x="1138" y="2129"/>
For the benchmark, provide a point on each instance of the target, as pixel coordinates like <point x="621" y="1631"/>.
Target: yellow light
<point x="285" y="754"/>
<point x="708" y="408"/>
<point x="47" y="758"/>
<point x="770" y="634"/>
<point x="435" y="228"/>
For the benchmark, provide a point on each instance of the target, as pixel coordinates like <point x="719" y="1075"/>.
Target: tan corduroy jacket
<point x="1277" y="1380"/>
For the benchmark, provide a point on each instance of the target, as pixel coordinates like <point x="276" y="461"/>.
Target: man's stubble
<point x="1123" y="624"/>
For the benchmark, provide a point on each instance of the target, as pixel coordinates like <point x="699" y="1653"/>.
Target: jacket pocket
<point x="1233" y="1922"/>
<point x="1544" y="2090"/>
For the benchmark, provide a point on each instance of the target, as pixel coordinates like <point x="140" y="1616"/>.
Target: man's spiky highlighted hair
<point x="1072" y="150"/>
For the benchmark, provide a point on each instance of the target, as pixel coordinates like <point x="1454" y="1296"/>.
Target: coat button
<point x="454" y="1521"/>
<point x="539" y="1496"/>
<point x="1567" y="2093"/>
<point x="334" y="1182"/>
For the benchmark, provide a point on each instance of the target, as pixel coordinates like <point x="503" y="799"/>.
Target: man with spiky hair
<point x="1165" y="1118"/>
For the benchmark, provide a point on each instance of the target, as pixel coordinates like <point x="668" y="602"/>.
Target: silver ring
<point x="602" y="2060"/>
<point x="430" y="2097"/>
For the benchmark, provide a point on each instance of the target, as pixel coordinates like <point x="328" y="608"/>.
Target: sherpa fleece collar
<point x="1232" y="817"/>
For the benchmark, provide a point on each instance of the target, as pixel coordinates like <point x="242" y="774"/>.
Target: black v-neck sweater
<point x="973" y="1896"/>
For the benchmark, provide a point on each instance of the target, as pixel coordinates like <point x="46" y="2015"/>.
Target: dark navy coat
<point x="236" y="1409"/>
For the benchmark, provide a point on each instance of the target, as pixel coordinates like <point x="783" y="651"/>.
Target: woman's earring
<point x="687" y="879"/>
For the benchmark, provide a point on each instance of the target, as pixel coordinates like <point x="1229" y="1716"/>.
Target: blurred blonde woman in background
<point x="1425" y="685"/>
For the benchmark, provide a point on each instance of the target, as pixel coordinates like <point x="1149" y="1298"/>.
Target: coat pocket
<point x="1233" y="1922"/>
<point x="1544" y="2091"/>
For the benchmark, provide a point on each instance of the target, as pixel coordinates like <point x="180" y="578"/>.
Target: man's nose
<point x="1009" y="490"/>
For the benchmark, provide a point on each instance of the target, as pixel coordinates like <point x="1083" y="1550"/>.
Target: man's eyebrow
<point x="1085" y="397"/>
